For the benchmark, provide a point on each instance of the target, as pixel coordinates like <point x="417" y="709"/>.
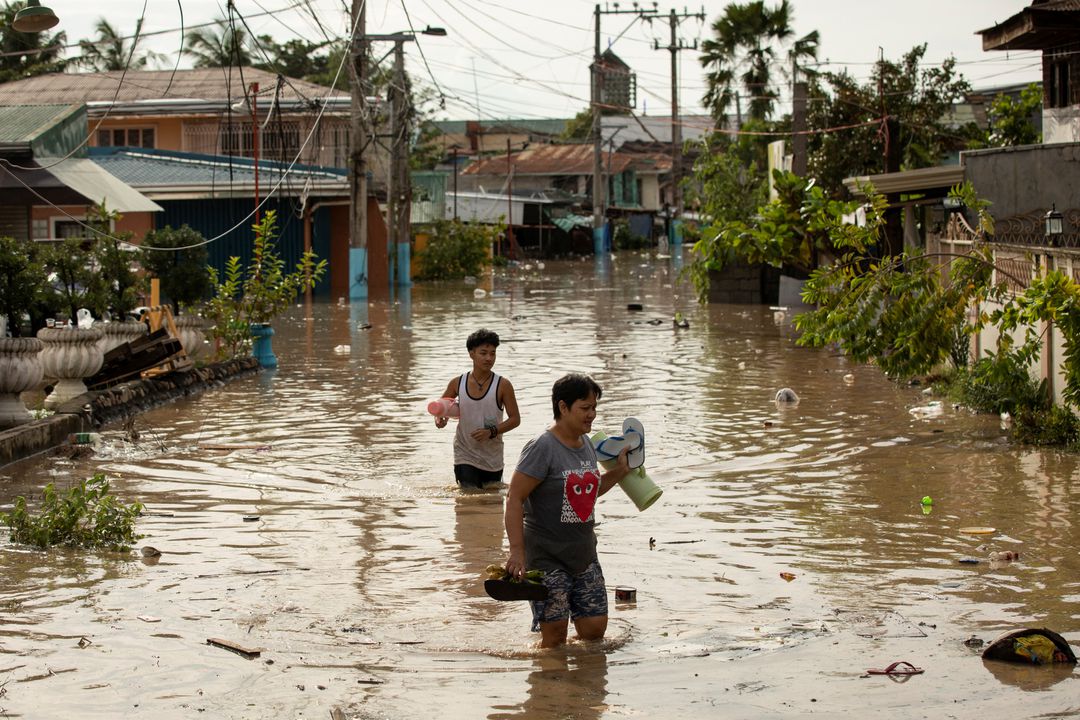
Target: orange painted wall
<point x="168" y="131"/>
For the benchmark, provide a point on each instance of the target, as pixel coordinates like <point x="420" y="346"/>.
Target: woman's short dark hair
<point x="482" y="336"/>
<point x="569" y="388"/>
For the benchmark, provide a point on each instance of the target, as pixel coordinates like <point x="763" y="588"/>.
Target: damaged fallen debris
<point x="248" y="652"/>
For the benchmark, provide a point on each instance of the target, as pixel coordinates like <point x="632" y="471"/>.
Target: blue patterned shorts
<point x="571" y="596"/>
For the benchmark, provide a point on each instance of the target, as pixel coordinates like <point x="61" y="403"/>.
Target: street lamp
<point x="1053" y="226"/>
<point x="34" y="18"/>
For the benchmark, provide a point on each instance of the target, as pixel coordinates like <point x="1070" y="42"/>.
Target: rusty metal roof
<point x="550" y="160"/>
<point x="207" y="84"/>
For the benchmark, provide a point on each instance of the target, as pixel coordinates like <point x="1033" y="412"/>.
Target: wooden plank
<point x="237" y="648"/>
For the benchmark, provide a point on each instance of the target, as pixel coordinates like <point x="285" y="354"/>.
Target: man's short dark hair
<point x="569" y="388"/>
<point x="482" y="336"/>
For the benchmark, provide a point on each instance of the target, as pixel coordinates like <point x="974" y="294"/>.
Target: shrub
<point x="456" y="249"/>
<point x="999" y="383"/>
<point x="259" y="293"/>
<point x="87" y="516"/>
<point x="178" y="257"/>
<point x="1053" y="426"/>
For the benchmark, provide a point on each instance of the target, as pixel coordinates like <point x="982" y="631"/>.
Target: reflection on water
<point x="360" y="579"/>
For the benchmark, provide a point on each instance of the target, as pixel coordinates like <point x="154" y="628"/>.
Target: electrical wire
<point x="241" y="223"/>
<point x="36" y="51"/>
<point x="112" y="104"/>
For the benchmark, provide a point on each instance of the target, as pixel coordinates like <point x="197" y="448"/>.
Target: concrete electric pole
<point x="358" y="137"/>
<point x="674" y="47"/>
<point x="596" y="104"/>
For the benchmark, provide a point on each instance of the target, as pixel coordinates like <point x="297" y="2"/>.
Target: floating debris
<point x="786" y="396"/>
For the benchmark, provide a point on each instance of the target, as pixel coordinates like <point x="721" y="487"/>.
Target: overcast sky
<point x="529" y="58"/>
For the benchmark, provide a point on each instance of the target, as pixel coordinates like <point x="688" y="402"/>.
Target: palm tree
<point x="227" y="47"/>
<point x="110" y="52"/>
<point x="749" y="39"/>
<point x="25" y="54"/>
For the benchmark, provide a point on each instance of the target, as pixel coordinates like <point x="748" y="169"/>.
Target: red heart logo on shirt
<point x="581" y="493"/>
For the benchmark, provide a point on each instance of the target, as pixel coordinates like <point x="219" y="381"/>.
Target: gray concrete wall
<point x="744" y="285"/>
<point x="1024" y="179"/>
<point x="100" y="407"/>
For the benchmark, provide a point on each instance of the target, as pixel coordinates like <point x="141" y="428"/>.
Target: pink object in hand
<point x="443" y="407"/>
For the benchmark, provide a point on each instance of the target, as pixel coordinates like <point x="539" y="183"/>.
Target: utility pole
<point x="455" y="181"/>
<point x="254" y="89"/>
<point x="399" y="187"/>
<point x="596" y="103"/>
<point x="358" y="137"/>
<point x="674" y="47"/>
<point x="399" y="191"/>
<point x="509" y="201"/>
<point x="798" y="122"/>
<point x="594" y="109"/>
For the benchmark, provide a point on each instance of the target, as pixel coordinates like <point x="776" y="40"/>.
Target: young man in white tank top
<point x="483" y="399"/>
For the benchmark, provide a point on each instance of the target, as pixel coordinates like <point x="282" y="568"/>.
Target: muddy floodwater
<point x="311" y="513"/>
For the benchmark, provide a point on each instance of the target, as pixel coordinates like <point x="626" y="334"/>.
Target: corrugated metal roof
<point x="96" y="184"/>
<point x="161" y="170"/>
<point x="549" y="160"/>
<point x="203" y="84"/>
<point x="26" y="123"/>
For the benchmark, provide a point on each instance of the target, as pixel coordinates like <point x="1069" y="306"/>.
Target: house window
<point x="1057" y="91"/>
<point x="63" y="229"/>
<point x="126" y="137"/>
<point x="277" y="141"/>
<point x="237" y="139"/>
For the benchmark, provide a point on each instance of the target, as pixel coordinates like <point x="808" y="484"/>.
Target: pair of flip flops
<point x="633" y="437"/>
<point x="507" y="589"/>
<point x="900" y="667"/>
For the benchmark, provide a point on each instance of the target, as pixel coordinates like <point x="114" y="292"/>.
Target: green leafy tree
<point x="327" y="76"/>
<point x="1010" y="119"/>
<point x="907" y="313"/>
<point x="178" y="259"/>
<point x="298" y="58"/>
<point x="22" y="277"/>
<point x="579" y="127"/>
<point x="728" y="181"/>
<point x="788" y="232"/>
<point x="914" y="99"/>
<point x="114" y="255"/>
<point x="111" y="51"/>
<point x="219" y="45"/>
<point x="74" y="281"/>
<point x="749" y="40"/>
<point x="24" y="55"/>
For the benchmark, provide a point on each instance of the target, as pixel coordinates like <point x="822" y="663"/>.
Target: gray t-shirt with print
<point x="559" y="511"/>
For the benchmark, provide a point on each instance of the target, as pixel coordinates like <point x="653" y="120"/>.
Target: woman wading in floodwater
<point x="549" y="515"/>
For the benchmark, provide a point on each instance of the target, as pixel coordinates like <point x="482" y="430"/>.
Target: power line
<point x="273" y="191"/>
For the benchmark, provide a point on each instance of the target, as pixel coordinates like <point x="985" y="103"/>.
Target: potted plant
<point x="248" y="299"/>
<point x="22" y="278"/>
<point x="178" y="259"/>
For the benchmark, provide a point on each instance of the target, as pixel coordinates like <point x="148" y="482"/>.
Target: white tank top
<point x="476" y="413"/>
